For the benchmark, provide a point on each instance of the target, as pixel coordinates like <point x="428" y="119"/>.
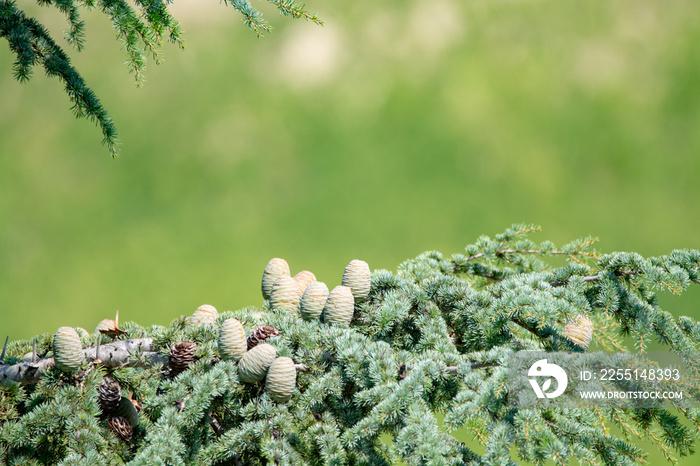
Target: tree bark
<point x="117" y="353"/>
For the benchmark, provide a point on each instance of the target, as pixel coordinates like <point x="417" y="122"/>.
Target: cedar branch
<point x="132" y="353"/>
<point x="115" y="354"/>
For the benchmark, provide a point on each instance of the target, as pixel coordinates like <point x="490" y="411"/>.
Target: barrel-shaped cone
<point x="357" y="277"/>
<point x="339" y="306"/>
<point x="304" y="279"/>
<point x="205" y="314"/>
<point x="67" y="349"/>
<point x="285" y="294"/>
<point x="313" y="300"/>
<point x="580" y="331"/>
<point x="274" y="269"/>
<point x="254" y="364"/>
<point x="232" y="340"/>
<point x="281" y="379"/>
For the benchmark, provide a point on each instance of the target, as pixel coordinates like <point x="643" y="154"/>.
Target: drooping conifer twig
<point x="141" y="28"/>
<point x="33" y="45"/>
<point x="289" y="8"/>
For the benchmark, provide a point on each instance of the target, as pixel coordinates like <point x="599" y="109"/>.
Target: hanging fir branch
<point x="140" y="28"/>
<point x="437" y="335"/>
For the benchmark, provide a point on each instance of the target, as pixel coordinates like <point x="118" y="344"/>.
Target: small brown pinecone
<point x="261" y="334"/>
<point x="121" y="427"/>
<point x="181" y="356"/>
<point x="110" y="393"/>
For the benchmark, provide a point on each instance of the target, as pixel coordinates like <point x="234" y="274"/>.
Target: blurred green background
<point x="399" y="127"/>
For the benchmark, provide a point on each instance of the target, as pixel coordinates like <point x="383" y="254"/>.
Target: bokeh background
<point x="398" y="127"/>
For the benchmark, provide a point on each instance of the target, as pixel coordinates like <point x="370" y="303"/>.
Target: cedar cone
<point x="121" y="427"/>
<point x="110" y="395"/>
<point x="261" y="334"/>
<point x="181" y="356"/>
<point x="580" y="331"/>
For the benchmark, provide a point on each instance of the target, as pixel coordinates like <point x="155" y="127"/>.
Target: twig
<point x="452" y="370"/>
<point x="624" y="273"/>
<point x="302" y="368"/>
<point x="97" y="349"/>
<point x="4" y="348"/>
<point x="456" y="266"/>
<point x="503" y="252"/>
<point x="596" y="277"/>
<point x="218" y="430"/>
<point x="545" y="333"/>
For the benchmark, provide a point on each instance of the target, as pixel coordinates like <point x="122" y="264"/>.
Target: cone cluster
<point x="258" y="360"/>
<point x="119" y="410"/>
<point x="299" y="294"/>
<point x="311" y="297"/>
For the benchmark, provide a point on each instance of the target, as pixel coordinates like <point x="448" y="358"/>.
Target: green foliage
<point x="432" y="337"/>
<point x="140" y="28"/>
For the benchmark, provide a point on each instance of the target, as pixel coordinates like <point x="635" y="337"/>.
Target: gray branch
<point x="132" y="353"/>
<point x="135" y="353"/>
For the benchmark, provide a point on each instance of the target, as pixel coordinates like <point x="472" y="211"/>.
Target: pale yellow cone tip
<point x="580" y="331"/>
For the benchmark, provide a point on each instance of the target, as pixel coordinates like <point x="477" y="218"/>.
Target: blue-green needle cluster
<point x="433" y="337"/>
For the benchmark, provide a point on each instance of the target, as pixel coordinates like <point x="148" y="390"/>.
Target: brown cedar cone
<point x="110" y="394"/>
<point x="261" y="334"/>
<point x="181" y="356"/>
<point x="121" y="427"/>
